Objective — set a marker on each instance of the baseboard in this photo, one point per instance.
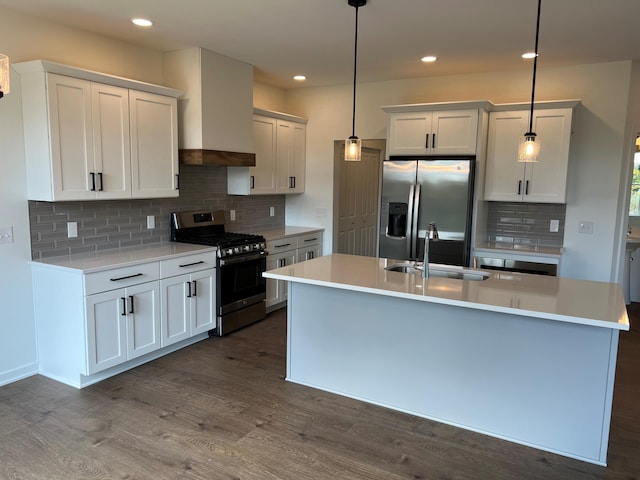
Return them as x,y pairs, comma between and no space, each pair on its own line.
18,374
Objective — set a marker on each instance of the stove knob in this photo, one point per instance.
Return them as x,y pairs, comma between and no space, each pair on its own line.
230,251
247,248
236,250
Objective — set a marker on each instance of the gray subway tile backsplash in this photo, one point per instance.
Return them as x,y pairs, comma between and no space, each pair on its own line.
109,224
525,223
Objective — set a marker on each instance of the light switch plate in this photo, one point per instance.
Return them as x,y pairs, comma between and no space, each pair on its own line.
554,225
585,227
272,211
151,222
6,235
232,215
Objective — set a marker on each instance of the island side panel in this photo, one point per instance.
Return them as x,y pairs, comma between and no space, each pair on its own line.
541,383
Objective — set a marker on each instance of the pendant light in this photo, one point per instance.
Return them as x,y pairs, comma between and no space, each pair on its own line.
353,145
4,75
529,144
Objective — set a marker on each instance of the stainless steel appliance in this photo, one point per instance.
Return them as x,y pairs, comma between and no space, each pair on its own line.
419,190
241,260
520,266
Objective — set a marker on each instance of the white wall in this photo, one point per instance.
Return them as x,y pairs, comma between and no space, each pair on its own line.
596,161
27,38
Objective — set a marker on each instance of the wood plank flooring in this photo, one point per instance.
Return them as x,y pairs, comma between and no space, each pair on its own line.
221,409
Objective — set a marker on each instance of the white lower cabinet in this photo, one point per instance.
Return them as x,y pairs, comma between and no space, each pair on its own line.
188,305
121,325
92,325
287,251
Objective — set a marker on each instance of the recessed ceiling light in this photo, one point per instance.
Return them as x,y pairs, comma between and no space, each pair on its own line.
299,78
429,58
529,55
142,22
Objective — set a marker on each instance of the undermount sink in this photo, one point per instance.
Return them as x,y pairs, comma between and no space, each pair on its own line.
443,271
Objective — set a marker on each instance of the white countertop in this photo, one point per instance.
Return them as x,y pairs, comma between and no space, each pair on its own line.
553,298
122,257
519,249
284,232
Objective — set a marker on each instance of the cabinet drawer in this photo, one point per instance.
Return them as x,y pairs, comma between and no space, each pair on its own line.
282,245
187,264
120,277
309,239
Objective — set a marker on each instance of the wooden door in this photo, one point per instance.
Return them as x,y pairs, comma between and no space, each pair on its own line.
358,204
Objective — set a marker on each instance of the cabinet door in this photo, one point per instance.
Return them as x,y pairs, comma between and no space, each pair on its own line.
154,145
143,319
410,133
263,176
71,138
277,289
454,132
106,339
504,180
175,311
112,150
547,178
291,156
203,301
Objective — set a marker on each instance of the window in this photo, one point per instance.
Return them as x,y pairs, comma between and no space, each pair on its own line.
634,204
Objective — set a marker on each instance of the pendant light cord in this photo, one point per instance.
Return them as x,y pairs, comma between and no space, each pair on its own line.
535,67
355,71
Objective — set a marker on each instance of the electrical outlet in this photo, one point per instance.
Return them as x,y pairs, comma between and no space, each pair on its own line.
72,229
151,222
585,227
554,225
232,215
272,211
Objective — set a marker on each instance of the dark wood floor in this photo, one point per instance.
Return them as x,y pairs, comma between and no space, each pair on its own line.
222,410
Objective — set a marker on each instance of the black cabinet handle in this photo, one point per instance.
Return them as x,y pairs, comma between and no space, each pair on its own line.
131,304
311,239
433,141
93,181
101,189
426,141
177,181
189,291
195,288
519,187
124,306
252,182
526,188
283,245
191,264
125,278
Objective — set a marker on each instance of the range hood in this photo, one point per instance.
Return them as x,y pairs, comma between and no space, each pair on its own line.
215,114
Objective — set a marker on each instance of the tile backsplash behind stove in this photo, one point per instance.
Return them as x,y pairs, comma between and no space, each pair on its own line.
108,224
525,223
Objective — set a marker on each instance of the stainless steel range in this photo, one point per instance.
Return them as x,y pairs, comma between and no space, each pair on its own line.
241,260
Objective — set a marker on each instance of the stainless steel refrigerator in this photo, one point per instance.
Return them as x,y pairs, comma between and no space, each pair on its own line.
416,191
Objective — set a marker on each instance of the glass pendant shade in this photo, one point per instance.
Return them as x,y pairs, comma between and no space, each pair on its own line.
4,75
353,149
529,148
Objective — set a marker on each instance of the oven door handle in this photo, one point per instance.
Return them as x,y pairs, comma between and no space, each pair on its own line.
241,259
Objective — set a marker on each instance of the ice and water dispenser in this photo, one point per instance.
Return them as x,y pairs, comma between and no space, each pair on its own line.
397,222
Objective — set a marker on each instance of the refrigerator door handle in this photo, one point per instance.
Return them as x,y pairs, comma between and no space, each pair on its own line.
414,209
410,215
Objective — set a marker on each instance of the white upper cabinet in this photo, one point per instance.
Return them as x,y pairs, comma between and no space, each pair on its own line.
280,144
450,132
90,136
154,145
542,182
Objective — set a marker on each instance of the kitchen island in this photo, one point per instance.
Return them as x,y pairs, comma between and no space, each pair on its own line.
525,358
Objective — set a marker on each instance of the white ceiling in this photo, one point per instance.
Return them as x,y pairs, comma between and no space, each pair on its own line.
315,37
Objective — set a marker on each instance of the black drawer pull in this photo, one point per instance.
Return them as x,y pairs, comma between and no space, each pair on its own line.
283,245
125,278
311,239
191,264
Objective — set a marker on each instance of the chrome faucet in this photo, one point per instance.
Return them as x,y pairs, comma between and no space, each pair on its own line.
432,234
